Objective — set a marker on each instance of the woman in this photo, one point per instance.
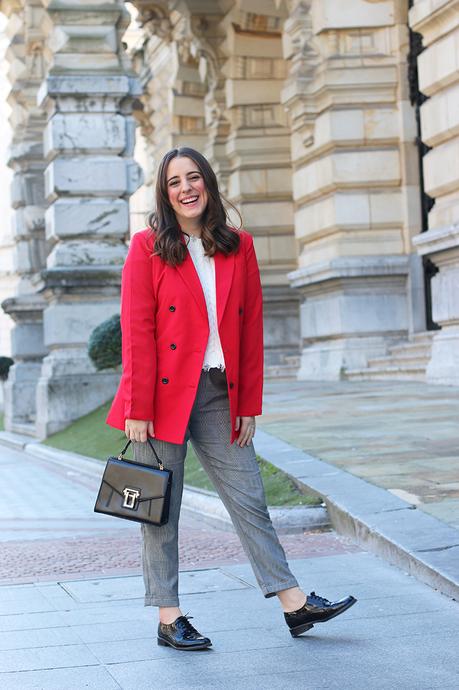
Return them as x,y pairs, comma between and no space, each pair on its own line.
192,332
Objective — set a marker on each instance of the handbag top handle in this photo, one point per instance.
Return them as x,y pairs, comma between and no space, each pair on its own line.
160,464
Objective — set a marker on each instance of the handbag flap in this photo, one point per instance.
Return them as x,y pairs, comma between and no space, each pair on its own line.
152,481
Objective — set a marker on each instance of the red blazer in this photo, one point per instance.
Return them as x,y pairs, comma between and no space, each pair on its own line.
165,331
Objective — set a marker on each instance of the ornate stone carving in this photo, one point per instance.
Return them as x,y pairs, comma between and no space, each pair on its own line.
182,102
154,19
258,148
303,57
26,70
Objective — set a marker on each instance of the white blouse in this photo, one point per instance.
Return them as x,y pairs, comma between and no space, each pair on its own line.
205,268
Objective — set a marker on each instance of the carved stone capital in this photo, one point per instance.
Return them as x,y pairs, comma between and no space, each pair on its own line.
154,19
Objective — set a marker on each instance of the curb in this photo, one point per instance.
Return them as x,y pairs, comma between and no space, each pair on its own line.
198,503
289,520
382,523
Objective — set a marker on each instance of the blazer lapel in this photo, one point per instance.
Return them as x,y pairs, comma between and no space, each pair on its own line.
224,268
189,275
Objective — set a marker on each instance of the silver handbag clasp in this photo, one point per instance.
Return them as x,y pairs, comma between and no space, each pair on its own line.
130,497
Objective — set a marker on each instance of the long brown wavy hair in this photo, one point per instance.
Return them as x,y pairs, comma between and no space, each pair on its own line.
217,234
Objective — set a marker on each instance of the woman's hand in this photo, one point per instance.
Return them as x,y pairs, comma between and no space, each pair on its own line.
138,430
246,428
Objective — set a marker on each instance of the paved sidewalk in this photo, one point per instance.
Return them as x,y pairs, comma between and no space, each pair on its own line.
49,530
69,627
97,634
401,436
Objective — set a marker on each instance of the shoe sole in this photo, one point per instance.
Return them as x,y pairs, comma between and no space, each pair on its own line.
299,629
294,632
166,643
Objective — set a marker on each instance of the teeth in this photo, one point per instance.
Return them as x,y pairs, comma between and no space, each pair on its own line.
190,200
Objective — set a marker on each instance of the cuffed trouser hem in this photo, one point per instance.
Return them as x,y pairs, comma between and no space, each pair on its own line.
160,601
271,591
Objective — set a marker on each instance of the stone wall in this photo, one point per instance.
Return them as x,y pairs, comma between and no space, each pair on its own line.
26,69
355,181
72,89
7,273
438,23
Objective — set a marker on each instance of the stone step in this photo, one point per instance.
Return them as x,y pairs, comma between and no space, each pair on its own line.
408,372
416,341
293,360
405,361
25,429
422,336
280,371
400,360
411,349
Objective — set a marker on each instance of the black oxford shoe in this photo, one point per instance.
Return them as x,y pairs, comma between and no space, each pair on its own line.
181,635
315,610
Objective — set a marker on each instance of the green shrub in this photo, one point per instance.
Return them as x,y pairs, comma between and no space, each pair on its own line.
5,363
104,347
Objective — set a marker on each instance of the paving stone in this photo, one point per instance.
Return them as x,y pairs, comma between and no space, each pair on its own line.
36,658
405,430
26,604
31,621
129,650
171,672
75,616
43,637
11,593
407,625
124,588
445,558
416,530
224,640
443,510
87,677
116,631
392,665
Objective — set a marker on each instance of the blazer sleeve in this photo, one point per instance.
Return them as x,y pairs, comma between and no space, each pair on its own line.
138,331
251,342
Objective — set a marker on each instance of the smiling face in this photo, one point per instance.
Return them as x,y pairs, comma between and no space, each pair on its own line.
186,191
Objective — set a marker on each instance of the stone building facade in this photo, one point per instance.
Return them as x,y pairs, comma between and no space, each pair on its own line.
332,126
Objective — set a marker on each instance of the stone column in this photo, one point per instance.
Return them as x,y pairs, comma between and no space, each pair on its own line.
258,148
438,67
213,74
169,67
25,73
7,274
354,180
209,37
90,174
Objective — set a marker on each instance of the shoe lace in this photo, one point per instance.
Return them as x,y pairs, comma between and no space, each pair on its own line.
189,629
321,600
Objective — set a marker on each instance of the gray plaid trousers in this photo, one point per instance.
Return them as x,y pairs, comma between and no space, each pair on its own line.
235,474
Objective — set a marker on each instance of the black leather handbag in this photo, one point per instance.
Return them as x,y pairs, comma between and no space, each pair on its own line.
134,491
